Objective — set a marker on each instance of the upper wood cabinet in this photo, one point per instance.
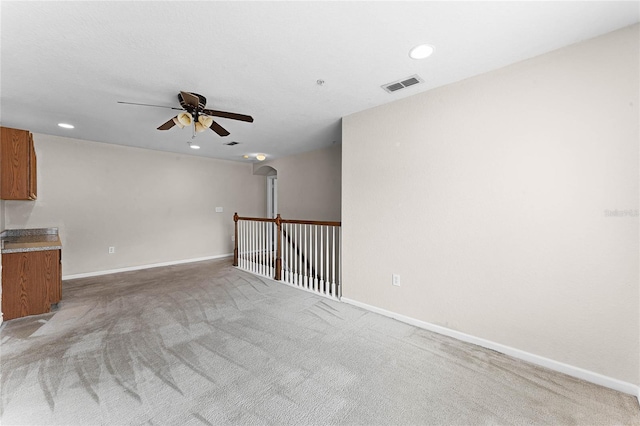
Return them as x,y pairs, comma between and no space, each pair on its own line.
18,178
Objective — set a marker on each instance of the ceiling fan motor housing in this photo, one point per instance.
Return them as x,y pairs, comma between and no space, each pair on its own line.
202,102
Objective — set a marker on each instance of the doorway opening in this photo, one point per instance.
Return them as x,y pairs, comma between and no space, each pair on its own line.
272,189
272,196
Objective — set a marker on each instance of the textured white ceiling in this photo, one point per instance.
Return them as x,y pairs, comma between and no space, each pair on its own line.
72,61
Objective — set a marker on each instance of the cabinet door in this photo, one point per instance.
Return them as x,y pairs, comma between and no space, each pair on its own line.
14,164
24,291
33,171
27,282
53,275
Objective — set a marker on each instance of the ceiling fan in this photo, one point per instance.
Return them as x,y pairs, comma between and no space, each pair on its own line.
194,112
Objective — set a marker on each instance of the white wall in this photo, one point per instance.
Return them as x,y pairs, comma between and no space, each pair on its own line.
488,197
151,206
309,184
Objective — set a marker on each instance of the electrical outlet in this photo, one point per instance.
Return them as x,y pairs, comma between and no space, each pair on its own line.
233,238
395,279
112,250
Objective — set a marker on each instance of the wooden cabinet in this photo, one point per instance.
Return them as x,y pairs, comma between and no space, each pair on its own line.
31,282
18,168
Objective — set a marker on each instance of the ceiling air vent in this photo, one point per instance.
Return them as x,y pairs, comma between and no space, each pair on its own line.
406,82
232,143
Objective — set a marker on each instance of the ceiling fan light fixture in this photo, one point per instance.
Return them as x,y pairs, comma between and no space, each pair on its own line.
185,119
66,126
261,157
205,120
200,128
178,123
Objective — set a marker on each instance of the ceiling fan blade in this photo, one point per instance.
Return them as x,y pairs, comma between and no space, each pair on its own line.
166,126
190,99
156,106
231,115
219,129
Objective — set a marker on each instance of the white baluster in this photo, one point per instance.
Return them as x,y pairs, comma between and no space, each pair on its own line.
333,261
254,246
340,262
316,283
243,237
251,245
270,248
296,252
305,277
260,266
289,254
320,274
247,246
241,244
327,270
263,251
283,242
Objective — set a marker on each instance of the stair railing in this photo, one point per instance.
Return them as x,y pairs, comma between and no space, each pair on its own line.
302,253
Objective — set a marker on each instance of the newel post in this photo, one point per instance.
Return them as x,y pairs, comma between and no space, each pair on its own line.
278,276
235,240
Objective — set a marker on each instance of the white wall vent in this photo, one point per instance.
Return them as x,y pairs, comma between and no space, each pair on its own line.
401,84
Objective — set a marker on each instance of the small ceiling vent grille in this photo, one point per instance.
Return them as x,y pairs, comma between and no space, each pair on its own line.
232,143
406,82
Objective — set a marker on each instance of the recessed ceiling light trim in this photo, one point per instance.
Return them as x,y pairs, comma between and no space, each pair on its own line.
421,51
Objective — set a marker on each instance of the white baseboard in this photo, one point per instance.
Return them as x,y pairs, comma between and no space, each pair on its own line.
137,268
580,373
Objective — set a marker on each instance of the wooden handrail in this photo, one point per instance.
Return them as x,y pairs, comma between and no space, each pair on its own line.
296,221
312,222
255,219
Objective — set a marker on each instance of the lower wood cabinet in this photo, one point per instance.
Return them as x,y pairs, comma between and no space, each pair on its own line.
31,282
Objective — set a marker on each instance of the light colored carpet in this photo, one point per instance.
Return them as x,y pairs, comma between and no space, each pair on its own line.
208,344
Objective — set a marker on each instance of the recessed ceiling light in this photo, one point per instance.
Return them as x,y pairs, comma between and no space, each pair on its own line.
66,126
421,51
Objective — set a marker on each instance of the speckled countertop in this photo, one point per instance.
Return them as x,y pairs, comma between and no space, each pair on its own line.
22,240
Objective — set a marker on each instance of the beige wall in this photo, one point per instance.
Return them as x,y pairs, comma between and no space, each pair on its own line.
309,184
1,229
151,206
488,197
